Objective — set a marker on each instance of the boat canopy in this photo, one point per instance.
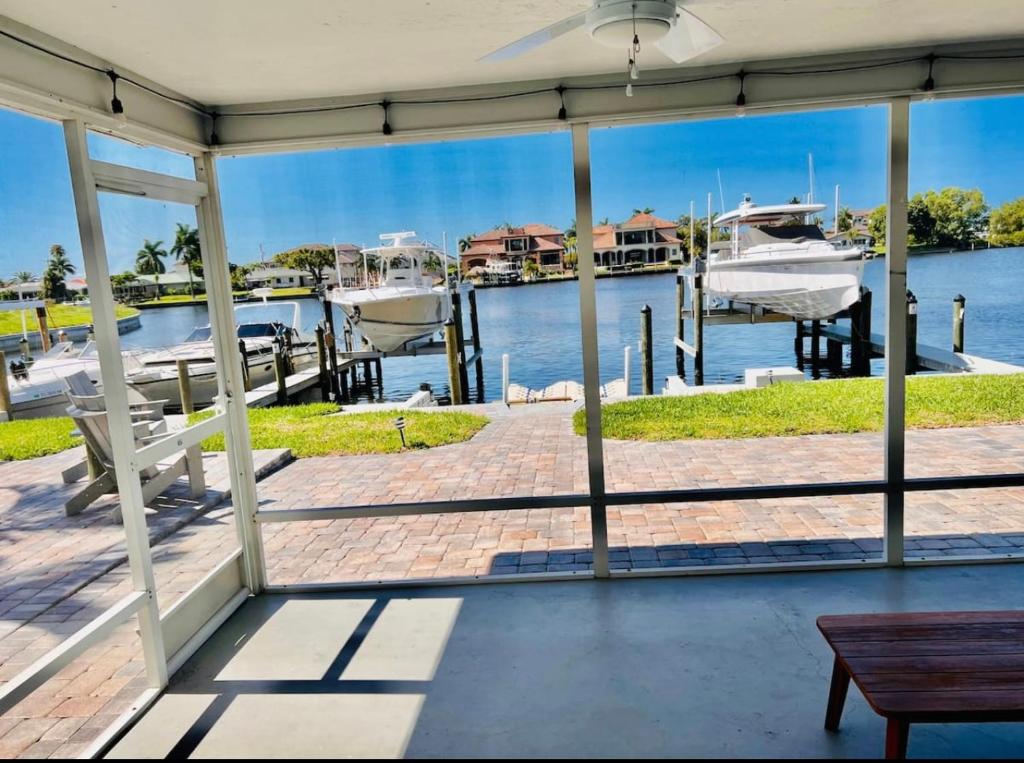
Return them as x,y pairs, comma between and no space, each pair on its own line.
404,243
752,214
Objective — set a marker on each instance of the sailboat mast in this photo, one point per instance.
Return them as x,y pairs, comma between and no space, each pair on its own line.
835,232
691,231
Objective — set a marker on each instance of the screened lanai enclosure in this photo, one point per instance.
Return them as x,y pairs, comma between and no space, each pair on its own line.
598,638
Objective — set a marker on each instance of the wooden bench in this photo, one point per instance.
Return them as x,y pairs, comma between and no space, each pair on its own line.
927,667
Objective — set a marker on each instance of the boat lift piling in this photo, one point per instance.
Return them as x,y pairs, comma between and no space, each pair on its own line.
6,409
864,346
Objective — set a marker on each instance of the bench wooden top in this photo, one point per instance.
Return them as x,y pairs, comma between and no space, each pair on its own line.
934,666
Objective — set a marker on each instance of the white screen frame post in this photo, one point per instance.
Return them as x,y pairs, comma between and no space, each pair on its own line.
588,335
231,388
115,392
898,170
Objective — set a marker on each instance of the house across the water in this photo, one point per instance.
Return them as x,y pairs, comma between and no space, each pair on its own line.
536,242
640,241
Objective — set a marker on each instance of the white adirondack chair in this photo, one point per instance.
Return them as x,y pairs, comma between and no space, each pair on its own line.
90,417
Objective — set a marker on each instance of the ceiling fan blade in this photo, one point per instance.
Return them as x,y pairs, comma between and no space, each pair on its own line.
531,41
688,37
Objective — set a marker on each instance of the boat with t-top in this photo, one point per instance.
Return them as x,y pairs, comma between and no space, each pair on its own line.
406,306
777,259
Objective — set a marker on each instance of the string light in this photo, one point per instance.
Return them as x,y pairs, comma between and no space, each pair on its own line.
561,96
116,107
633,69
929,84
741,97
214,138
386,127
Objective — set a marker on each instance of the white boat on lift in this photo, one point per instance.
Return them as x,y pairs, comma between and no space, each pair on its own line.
776,260
406,306
154,373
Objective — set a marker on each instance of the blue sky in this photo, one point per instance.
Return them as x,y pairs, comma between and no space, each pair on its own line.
468,186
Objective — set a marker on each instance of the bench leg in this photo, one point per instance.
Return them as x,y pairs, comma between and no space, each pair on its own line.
836,696
896,734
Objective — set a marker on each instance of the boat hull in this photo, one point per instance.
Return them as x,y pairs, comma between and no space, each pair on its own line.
159,380
390,317
806,288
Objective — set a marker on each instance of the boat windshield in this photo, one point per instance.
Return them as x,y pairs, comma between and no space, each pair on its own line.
269,329
255,330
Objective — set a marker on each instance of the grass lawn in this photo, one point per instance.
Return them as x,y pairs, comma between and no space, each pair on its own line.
823,407
32,438
309,430
61,316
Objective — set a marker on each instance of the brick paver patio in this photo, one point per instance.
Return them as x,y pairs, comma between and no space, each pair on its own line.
59,572
531,450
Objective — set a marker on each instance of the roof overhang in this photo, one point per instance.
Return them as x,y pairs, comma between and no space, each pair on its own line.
50,87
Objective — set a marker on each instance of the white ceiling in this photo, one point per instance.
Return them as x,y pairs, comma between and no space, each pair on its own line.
246,51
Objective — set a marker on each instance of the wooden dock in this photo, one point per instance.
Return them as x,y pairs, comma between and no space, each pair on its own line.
929,358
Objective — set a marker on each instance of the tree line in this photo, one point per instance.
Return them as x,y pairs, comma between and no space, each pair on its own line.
955,218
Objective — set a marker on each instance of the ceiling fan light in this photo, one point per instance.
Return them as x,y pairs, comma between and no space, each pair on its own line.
619,33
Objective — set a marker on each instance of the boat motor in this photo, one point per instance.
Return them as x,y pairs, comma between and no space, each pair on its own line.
19,370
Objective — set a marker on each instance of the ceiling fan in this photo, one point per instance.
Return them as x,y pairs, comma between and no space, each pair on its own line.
673,30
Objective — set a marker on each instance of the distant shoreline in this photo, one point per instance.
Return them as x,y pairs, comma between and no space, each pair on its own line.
617,274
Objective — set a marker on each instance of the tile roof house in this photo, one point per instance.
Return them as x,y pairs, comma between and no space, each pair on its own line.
641,240
540,243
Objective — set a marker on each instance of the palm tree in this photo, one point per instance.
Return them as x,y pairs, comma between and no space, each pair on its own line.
149,260
466,241
58,267
186,249
644,211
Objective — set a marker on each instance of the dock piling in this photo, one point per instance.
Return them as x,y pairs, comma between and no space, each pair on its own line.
280,376
680,327
911,332
798,344
5,389
474,325
816,349
451,344
833,352
184,386
698,329
959,310
646,359
246,381
44,332
461,342
627,371
504,378
860,335
321,361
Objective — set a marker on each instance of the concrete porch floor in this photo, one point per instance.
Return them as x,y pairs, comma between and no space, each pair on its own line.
728,666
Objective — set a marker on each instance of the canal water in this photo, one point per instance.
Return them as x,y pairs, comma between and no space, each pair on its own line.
538,325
